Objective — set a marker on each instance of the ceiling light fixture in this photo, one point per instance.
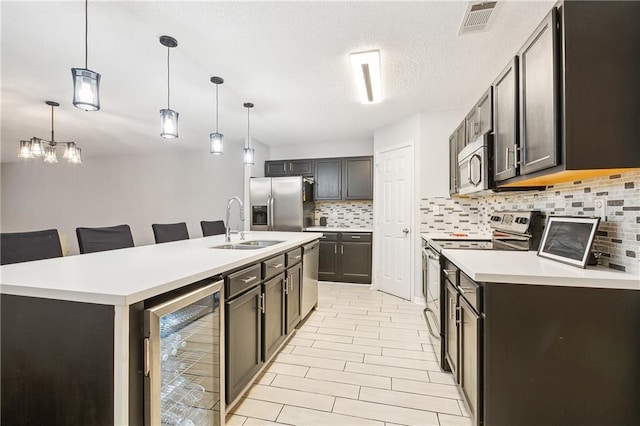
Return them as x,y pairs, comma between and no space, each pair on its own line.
248,151
86,83
216,138
366,69
168,117
33,148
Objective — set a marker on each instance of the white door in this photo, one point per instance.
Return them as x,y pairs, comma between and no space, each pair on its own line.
394,183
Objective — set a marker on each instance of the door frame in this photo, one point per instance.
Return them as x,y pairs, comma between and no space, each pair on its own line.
415,227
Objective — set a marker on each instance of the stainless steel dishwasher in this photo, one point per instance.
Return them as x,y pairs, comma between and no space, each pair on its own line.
309,278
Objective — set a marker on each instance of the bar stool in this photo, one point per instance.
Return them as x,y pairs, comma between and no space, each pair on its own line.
215,227
19,247
167,232
91,240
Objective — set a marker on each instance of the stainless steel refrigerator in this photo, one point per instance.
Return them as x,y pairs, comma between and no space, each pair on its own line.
281,203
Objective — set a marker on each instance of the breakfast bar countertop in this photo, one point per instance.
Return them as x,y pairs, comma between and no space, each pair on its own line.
127,276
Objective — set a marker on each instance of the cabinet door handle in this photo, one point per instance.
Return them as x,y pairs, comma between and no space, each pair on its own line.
335,249
450,308
341,249
297,257
355,237
249,279
276,266
506,157
448,272
286,285
147,361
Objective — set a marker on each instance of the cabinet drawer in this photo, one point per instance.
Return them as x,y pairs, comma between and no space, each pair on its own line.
240,281
450,272
357,236
273,266
329,236
471,291
294,256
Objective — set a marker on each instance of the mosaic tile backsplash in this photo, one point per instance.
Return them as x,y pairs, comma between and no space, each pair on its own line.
357,214
618,237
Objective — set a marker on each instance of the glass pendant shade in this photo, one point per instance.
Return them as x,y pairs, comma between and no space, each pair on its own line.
25,150
50,154
168,123
36,147
76,158
86,88
216,140
248,155
69,151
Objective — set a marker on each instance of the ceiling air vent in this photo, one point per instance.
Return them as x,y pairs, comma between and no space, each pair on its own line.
478,17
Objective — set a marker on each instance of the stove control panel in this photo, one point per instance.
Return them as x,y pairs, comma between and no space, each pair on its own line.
519,222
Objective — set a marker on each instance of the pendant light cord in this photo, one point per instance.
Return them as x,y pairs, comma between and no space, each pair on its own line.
86,33
53,140
168,74
217,107
248,133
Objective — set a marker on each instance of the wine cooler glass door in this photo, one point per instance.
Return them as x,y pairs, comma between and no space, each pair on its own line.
183,359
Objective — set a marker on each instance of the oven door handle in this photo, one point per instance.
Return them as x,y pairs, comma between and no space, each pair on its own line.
428,323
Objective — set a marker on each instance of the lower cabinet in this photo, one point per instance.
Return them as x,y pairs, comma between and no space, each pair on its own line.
451,329
293,293
243,350
470,353
273,316
345,257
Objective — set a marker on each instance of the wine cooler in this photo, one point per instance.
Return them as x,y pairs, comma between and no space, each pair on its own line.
184,359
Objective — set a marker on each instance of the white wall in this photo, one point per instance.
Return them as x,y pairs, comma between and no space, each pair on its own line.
325,150
435,129
136,190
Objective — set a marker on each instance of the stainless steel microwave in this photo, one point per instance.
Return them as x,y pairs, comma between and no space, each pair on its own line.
475,166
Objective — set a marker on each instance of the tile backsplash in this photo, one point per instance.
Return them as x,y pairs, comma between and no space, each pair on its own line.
358,214
618,237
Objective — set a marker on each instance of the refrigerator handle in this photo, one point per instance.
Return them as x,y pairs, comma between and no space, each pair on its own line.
270,226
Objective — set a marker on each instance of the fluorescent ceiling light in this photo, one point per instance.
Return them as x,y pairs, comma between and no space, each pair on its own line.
366,69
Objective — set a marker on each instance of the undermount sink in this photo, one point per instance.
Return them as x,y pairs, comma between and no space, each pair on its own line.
248,245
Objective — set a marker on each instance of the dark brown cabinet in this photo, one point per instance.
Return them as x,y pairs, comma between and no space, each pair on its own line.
328,179
293,292
539,90
357,178
328,257
288,168
243,349
479,121
450,329
505,121
345,257
273,317
456,142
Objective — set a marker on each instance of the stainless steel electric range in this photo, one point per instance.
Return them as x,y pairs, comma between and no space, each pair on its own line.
511,230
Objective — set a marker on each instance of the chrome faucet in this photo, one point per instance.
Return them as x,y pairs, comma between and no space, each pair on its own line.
227,234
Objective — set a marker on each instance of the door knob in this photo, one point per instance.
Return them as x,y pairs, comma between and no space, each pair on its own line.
406,231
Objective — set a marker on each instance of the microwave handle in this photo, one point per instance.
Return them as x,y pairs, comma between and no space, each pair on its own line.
479,169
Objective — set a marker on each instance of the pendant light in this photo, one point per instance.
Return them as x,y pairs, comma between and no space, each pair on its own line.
33,148
168,117
86,83
248,151
216,139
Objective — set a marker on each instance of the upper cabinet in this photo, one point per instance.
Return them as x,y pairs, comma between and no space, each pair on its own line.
328,179
479,121
538,69
457,141
288,168
505,121
349,178
357,178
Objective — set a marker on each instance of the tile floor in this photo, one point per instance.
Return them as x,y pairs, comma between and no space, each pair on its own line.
362,358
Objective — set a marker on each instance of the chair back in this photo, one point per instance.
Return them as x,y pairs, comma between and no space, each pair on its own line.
18,247
91,240
167,232
215,227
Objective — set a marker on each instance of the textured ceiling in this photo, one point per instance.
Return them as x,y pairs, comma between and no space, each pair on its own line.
289,58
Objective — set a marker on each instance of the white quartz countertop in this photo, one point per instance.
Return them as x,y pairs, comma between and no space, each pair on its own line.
127,276
337,229
526,267
456,236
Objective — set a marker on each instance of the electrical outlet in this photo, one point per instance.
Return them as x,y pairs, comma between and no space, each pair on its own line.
600,204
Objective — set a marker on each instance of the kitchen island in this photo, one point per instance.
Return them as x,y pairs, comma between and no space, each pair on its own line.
67,322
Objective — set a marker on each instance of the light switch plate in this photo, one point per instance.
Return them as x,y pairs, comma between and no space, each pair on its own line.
600,204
